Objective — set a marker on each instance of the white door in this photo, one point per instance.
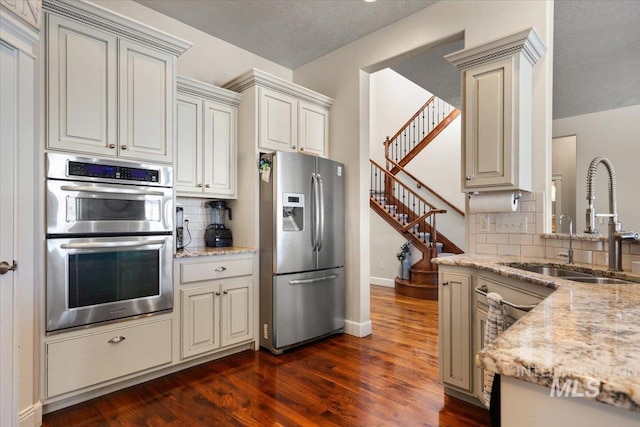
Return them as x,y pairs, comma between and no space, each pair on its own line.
8,102
236,312
278,121
313,136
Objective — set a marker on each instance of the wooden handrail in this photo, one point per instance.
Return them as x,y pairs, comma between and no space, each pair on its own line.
388,141
421,184
422,218
393,178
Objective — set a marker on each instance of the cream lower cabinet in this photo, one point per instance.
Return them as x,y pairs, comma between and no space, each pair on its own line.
455,314
216,300
108,94
462,320
206,164
92,358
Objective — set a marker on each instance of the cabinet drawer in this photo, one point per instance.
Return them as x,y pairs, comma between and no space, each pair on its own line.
91,359
212,270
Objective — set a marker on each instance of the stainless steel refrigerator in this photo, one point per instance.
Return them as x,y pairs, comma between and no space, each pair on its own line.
302,288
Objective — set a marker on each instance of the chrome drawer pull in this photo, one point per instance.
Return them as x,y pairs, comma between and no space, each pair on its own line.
483,290
220,269
116,340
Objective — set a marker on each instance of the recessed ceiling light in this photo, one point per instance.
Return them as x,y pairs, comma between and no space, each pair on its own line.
369,1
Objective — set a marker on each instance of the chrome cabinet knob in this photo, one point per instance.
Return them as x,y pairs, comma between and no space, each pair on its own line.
207,186
220,269
218,293
5,267
294,147
112,146
123,147
225,292
117,339
468,178
199,185
445,283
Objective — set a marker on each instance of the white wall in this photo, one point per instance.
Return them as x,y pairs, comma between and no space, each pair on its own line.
614,134
210,59
343,75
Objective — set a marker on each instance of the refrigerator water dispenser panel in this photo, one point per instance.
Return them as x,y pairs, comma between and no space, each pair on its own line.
292,212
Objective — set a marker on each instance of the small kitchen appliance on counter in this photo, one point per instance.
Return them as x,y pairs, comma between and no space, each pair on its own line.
216,234
179,228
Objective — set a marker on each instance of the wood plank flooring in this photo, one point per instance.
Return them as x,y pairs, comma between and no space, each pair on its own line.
387,379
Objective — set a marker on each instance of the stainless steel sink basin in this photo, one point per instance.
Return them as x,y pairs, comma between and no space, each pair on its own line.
552,271
564,273
599,280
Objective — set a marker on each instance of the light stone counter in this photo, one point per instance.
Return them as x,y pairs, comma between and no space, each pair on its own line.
586,333
207,251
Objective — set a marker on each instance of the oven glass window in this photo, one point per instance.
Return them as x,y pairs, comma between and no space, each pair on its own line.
94,209
98,278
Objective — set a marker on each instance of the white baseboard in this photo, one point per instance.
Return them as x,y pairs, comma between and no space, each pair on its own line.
357,329
31,416
382,281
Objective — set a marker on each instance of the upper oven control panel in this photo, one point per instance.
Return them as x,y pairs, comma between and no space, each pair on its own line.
75,168
98,170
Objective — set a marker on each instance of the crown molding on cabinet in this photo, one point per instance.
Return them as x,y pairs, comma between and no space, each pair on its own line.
97,16
527,41
260,78
207,91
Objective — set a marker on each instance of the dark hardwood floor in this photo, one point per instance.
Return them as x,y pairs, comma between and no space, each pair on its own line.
387,379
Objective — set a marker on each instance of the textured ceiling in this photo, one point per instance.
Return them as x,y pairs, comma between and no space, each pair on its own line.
596,43
289,32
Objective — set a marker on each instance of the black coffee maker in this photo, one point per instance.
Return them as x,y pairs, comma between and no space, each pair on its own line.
216,234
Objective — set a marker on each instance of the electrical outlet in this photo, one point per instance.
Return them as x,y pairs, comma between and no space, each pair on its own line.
265,331
381,265
483,224
511,224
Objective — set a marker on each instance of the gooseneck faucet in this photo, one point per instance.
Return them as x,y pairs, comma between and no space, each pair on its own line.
569,253
616,236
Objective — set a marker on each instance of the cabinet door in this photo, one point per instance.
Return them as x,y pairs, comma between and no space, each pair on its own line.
188,172
81,88
146,91
278,122
313,129
456,330
478,344
219,150
488,143
200,320
236,312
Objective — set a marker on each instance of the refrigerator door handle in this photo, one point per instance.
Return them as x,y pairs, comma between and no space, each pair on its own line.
315,280
321,215
317,197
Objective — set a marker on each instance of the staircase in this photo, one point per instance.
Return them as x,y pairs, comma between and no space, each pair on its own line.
405,210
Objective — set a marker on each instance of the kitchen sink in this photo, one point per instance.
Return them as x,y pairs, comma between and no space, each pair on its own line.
564,273
599,280
551,271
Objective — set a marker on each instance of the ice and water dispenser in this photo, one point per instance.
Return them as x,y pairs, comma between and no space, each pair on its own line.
292,211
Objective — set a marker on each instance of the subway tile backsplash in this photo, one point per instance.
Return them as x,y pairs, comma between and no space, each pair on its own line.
483,238
198,216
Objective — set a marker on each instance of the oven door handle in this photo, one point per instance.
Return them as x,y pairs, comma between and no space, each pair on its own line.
87,189
103,245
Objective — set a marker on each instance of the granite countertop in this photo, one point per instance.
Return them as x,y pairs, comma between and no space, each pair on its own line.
586,333
199,251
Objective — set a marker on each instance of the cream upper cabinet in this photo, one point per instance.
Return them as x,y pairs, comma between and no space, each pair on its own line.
81,87
278,121
146,93
289,117
206,163
313,129
497,95
110,88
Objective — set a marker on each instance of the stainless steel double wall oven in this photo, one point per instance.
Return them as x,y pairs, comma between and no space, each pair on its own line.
109,240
